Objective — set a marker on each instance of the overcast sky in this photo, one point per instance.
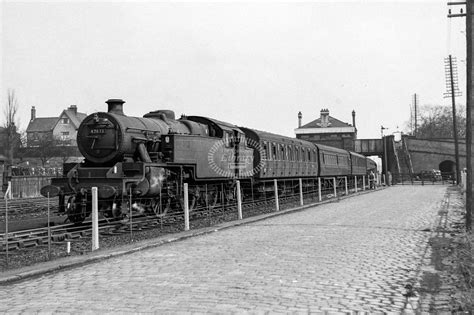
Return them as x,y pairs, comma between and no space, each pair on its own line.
254,64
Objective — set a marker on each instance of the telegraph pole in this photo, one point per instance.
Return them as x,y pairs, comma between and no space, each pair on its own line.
452,90
415,108
469,120
469,104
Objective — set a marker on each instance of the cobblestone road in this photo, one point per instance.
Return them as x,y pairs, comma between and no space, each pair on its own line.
354,255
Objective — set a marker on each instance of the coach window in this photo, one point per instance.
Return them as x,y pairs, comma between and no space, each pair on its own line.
274,151
226,139
242,140
290,153
265,150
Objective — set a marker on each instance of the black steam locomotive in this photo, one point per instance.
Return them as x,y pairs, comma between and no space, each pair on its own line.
142,162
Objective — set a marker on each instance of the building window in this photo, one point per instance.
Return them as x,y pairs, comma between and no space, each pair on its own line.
65,120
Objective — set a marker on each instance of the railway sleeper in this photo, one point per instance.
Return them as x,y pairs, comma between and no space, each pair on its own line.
73,235
31,242
11,246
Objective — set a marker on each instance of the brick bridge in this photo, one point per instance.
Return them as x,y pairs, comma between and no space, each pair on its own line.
411,155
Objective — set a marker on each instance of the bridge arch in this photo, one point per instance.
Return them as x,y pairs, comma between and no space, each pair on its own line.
447,166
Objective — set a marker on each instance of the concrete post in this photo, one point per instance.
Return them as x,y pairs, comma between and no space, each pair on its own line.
363,182
335,186
277,204
355,181
345,184
186,207
301,191
95,219
239,200
319,188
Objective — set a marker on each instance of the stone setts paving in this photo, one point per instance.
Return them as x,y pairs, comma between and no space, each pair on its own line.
368,253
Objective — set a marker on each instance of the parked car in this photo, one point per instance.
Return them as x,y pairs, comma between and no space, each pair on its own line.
431,175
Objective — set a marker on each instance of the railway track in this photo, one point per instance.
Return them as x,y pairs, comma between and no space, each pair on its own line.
59,234
16,206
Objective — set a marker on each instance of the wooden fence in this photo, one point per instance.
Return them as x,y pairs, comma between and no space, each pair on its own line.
28,186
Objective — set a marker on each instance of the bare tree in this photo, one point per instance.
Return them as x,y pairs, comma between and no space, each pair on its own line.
46,149
436,122
10,113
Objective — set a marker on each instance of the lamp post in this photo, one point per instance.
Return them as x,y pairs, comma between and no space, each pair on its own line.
382,128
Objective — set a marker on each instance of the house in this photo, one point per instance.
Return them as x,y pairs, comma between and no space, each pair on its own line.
328,130
62,129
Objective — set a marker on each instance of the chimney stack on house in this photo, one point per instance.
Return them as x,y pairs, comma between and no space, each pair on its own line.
353,118
73,108
300,116
324,117
33,113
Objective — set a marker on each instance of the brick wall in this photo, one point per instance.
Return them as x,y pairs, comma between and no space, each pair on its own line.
428,154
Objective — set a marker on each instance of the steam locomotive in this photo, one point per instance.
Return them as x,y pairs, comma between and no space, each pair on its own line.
141,163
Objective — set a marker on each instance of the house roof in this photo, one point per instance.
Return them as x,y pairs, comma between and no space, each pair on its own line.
45,124
76,118
42,124
333,123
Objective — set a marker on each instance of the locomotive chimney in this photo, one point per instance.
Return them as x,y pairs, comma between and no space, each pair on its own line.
353,118
115,106
300,115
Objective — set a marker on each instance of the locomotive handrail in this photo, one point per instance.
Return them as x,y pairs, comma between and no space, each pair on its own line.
132,129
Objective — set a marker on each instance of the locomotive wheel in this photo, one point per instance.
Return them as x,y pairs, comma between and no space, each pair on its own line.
74,211
212,197
158,209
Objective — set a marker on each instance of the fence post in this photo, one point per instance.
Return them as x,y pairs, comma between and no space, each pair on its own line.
239,200
7,194
363,182
301,191
131,215
186,207
464,182
49,231
277,204
383,180
95,219
345,184
355,181
335,187
319,188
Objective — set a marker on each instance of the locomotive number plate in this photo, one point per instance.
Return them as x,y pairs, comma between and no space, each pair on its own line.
97,131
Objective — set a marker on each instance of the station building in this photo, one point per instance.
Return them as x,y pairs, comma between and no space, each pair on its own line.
328,130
